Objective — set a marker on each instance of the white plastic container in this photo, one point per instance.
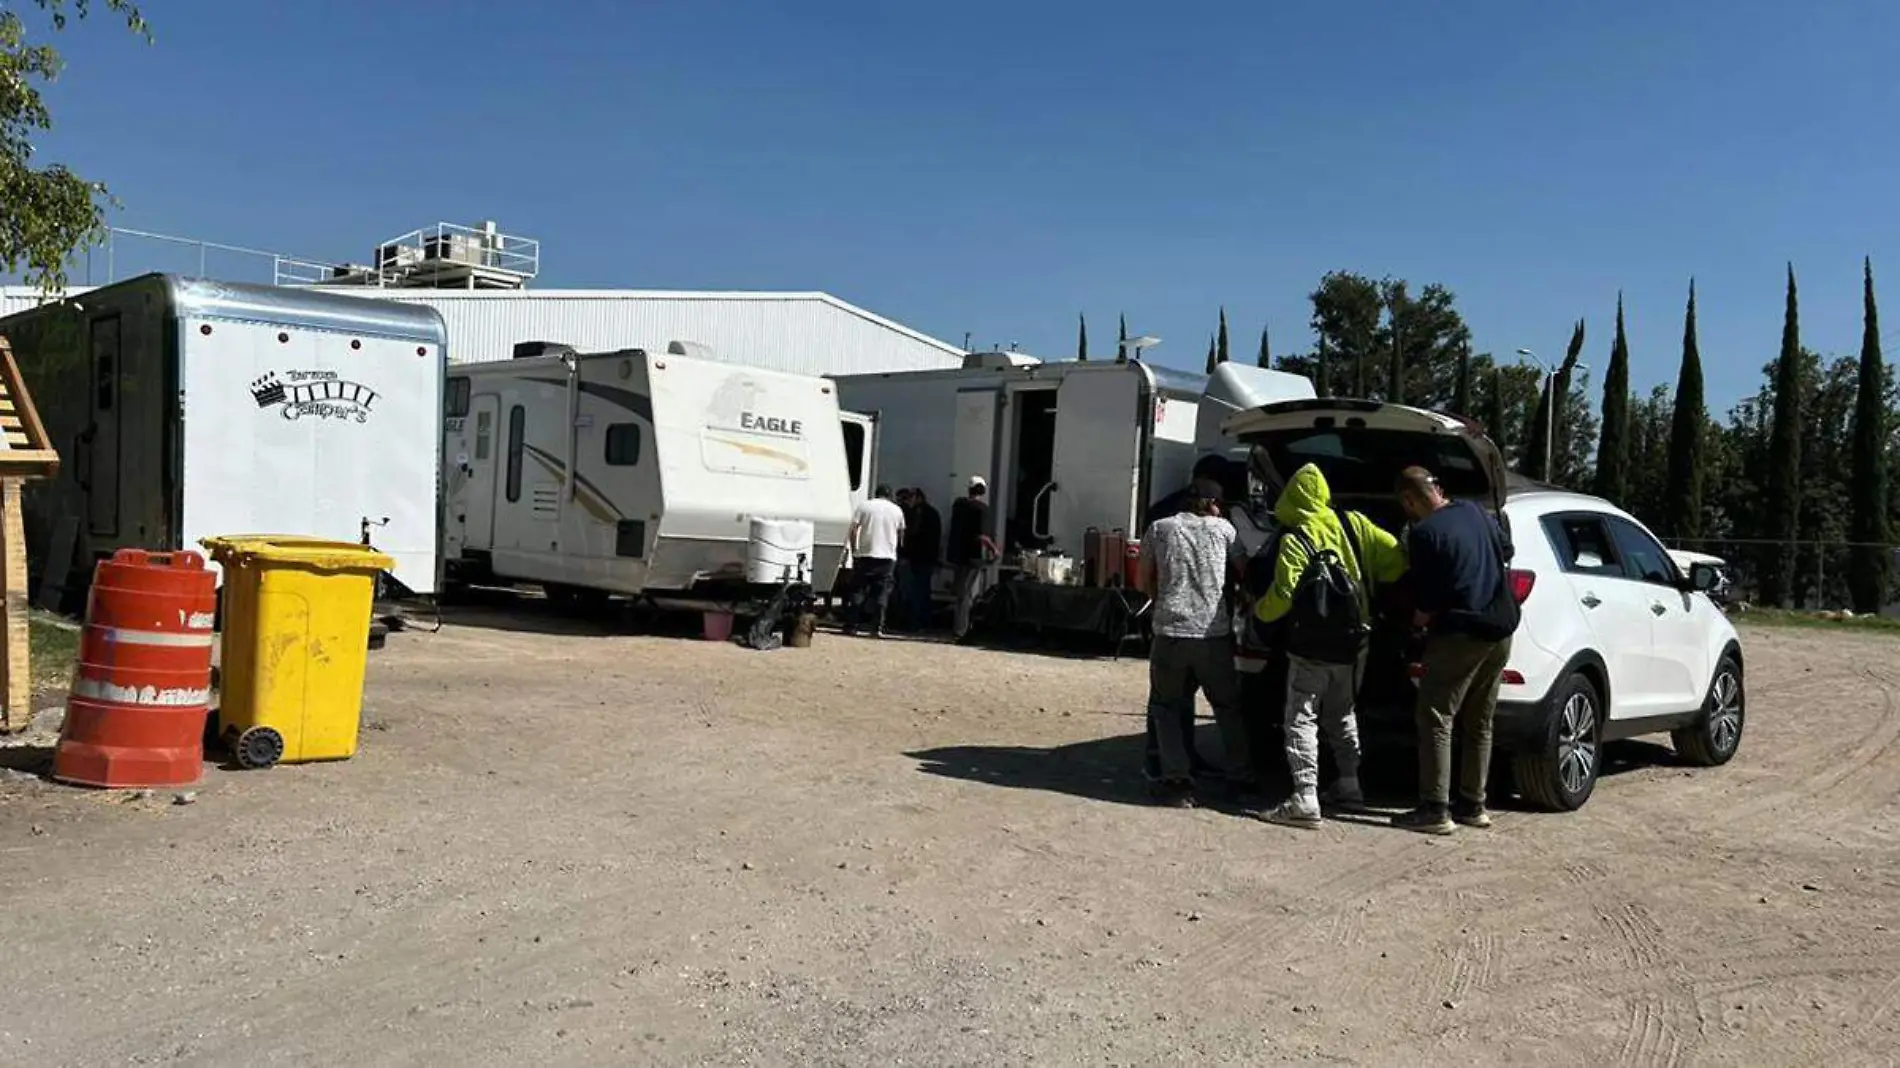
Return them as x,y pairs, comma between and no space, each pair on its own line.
779,550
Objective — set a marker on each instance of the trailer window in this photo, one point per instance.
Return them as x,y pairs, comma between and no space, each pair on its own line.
456,398
105,358
854,453
484,433
517,422
623,444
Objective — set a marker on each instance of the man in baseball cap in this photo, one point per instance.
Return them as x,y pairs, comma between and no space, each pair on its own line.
969,548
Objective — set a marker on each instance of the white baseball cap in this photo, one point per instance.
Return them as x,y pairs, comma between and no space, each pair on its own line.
976,481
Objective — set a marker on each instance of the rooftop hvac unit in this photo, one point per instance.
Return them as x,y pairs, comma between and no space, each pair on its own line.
395,256
456,248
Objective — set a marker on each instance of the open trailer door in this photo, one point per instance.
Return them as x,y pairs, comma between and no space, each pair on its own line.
1098,442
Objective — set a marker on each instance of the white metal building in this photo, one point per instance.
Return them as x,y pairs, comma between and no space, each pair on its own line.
806,333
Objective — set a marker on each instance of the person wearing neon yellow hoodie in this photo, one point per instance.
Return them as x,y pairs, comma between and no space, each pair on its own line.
1321,685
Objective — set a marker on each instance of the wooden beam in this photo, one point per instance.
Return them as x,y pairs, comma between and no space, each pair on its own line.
16,668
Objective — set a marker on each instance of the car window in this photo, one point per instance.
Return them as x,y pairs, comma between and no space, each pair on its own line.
1644,558
1584,546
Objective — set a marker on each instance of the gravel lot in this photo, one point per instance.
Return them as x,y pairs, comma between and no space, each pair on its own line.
564,848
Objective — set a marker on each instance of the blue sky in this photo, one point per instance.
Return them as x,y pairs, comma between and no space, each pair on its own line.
997,168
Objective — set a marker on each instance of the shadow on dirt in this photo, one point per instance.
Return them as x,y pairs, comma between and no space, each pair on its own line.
1110,770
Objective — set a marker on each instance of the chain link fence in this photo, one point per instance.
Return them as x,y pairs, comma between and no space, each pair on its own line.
1822,571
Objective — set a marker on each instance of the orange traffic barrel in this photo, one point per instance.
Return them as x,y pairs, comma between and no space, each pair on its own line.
142,687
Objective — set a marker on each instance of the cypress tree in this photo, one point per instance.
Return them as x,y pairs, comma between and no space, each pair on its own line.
1870,575
1323,384
1613,446
1395,377
1121,342
1461,392
1212,352
1783,497
1494,416
1682,494
1221,356
1082,337
1265,359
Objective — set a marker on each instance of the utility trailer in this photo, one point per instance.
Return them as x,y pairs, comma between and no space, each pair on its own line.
1064,446
187,408
662,475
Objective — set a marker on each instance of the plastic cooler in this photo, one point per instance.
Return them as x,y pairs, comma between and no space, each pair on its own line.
296,642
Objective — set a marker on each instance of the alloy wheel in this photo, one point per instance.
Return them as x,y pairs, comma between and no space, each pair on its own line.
1577,743
1725,712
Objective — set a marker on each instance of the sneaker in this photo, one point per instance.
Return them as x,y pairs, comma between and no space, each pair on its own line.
1172,794
1291,813
1471,816
1425,821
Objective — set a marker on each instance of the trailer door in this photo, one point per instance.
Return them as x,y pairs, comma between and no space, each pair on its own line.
478,491
1097,455
973,445
101,477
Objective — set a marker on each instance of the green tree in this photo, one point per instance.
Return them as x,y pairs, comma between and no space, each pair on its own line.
1682,491
1265,359
1650,420
1613,454
1346,313
46,213
1082,337
1121,341
1212,354
1782,499
1872,565
1221,354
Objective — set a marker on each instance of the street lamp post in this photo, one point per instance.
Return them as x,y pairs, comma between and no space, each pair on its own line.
1550,406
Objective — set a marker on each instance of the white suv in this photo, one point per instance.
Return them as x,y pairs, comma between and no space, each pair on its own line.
1616,641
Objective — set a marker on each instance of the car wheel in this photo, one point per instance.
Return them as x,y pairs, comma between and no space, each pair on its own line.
1713,740
1561,772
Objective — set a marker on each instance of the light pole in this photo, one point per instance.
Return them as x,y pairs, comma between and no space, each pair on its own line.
1550,405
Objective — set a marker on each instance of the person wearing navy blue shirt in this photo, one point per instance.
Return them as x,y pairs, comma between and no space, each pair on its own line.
1463,602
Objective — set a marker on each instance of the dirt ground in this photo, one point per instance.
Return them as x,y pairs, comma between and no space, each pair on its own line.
592,848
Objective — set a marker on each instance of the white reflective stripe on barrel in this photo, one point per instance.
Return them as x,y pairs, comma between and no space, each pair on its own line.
175,639
91,689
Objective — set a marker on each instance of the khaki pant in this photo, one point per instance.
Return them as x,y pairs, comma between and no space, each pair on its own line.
1460,689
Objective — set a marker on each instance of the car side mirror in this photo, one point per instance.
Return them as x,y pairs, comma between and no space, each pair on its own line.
1704,577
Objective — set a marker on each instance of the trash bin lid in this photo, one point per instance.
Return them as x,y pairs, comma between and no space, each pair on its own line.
298,549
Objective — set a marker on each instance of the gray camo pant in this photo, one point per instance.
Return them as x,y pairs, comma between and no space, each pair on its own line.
1320,696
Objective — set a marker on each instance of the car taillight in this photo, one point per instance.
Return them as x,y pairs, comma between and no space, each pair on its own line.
1513,678
1522,582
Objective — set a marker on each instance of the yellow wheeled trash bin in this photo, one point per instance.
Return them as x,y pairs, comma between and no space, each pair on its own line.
296,641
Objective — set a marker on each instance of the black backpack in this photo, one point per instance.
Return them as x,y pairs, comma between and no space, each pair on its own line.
1326,622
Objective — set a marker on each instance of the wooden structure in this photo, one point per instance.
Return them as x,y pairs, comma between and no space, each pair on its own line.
24,453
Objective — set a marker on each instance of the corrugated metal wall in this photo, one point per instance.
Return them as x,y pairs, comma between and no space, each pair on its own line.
807,333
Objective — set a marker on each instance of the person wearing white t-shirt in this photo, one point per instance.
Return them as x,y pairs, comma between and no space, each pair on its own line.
877,529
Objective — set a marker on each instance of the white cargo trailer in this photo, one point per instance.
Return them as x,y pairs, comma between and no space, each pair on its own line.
1064,446
186,408
664,475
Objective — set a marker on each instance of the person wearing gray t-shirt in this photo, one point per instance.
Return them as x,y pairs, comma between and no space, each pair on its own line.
1187,561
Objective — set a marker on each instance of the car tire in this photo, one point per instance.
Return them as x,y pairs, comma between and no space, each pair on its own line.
1561,772
1715,736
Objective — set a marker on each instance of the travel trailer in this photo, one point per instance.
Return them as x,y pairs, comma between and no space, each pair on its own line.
1064,446
185,408
665,475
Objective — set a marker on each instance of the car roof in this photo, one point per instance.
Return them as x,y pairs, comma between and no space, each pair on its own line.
1522,494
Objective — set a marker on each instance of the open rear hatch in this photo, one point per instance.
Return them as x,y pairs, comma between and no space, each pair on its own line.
1361,446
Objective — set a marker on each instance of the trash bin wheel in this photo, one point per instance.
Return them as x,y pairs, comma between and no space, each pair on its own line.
259,747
